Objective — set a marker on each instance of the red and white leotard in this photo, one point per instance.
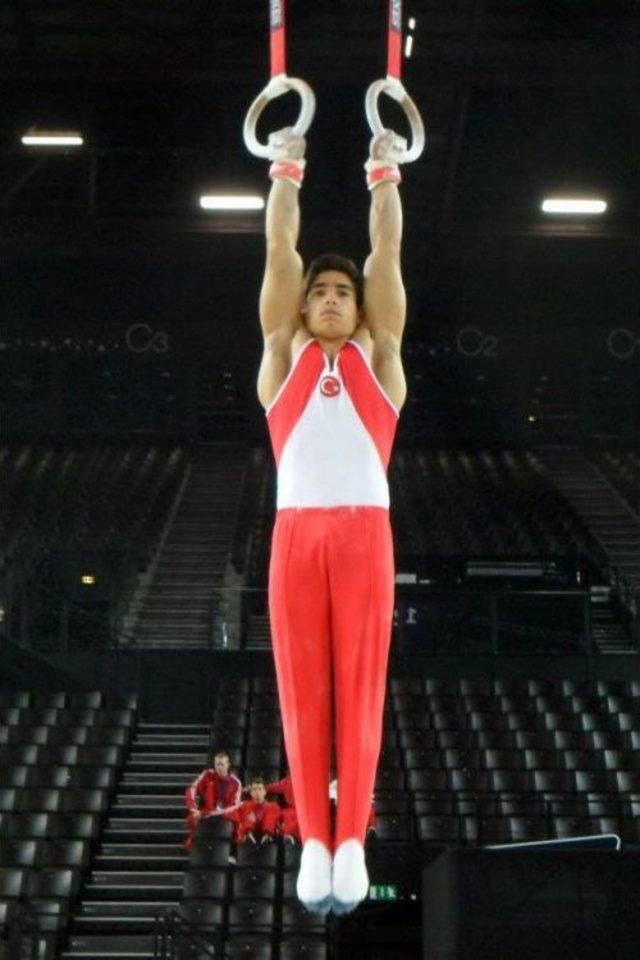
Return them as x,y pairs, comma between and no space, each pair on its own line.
332,431
331,579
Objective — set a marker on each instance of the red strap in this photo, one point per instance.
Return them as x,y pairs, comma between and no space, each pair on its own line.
277,20
394,50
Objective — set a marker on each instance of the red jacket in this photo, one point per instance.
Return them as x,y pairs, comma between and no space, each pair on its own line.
284,789
209,792
251,815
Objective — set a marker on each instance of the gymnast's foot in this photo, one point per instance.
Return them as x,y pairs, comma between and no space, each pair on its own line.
350,878
314,879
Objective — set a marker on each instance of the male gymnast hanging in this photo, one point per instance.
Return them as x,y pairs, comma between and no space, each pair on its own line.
332,384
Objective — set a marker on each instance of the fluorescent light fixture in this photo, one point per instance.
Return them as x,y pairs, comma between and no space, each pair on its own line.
412,23
88,579
45,138
408,45
231,202
573,206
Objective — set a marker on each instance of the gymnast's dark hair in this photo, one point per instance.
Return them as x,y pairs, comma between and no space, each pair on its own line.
335,261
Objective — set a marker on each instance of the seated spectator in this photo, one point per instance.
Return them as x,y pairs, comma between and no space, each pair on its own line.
288,823
256,820
214,791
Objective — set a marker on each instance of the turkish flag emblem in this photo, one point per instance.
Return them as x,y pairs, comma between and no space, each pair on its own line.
329,386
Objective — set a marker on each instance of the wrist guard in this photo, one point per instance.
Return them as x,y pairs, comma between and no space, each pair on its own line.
379,171
289,168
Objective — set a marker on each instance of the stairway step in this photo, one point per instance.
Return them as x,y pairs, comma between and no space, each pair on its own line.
98,948
143,879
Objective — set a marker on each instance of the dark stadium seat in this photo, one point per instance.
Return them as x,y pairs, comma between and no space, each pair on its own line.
461,759
31,825
502,760
570,740
90,801
17,853
439,829
420,739
392,827
72,825
557,781
493,830
628,781
7,799
45,799
12,882
249,856
251,915
258,757
423,759
534,739
267,737
303,948
427,780
85,700
51,883
45,699
474,781
513,781
590,781
621,760
525,829
16,756
202,884
567,826
214,828
295,917
247,947
64,756
542,760
583,760
11,698
390,779
254,884
203,912
209,853
63,853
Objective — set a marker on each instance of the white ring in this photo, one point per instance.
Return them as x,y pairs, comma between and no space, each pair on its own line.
275,88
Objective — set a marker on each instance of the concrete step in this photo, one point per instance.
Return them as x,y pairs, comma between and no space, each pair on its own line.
101,947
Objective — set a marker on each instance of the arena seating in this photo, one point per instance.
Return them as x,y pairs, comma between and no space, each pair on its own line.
59,762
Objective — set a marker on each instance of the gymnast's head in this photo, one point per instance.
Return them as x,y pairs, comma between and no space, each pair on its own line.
333,297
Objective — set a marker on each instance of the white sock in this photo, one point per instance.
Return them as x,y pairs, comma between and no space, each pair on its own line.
314,879
350,878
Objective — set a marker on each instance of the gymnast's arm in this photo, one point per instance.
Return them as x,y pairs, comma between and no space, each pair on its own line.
385,301
281,294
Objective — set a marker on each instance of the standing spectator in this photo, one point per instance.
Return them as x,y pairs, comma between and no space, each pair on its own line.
256,820
289,827
214,791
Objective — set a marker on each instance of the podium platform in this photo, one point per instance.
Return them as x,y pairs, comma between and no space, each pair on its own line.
532,903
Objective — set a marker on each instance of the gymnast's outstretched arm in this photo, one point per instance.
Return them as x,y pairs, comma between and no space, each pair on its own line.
281,293
384,295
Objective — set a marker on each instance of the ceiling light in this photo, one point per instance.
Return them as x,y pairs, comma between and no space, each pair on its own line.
231,202
412,23
52,138
408,45
572,205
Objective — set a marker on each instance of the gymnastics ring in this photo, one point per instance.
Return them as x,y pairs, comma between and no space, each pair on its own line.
277,86
394,89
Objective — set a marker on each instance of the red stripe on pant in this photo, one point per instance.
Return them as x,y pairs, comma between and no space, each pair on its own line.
331,585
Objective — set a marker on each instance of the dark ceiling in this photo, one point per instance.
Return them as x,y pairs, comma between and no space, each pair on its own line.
521,98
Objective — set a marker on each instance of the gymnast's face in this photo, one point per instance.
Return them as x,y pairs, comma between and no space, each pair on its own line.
330,308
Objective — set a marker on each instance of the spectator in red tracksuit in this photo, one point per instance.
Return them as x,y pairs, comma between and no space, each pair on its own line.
214,791
289,827
256,820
